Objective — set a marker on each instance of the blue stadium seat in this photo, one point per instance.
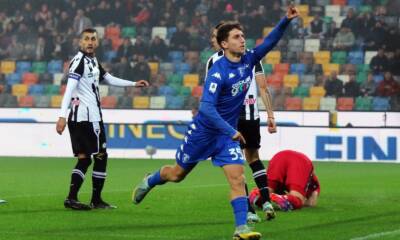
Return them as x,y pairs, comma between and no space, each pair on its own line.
380,104
356,57
13,78
378,78
176,102
354,3
182,68
55,66
170,32
23,66
175,56
298,68
110,55
36,89
166,91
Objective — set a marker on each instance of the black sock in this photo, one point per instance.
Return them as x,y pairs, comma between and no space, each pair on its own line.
77,177
251,209
98,176
260,177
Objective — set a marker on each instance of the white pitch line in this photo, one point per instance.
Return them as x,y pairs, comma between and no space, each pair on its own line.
378,235
114,191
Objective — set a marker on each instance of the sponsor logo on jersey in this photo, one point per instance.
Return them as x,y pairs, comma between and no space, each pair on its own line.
213,87
241,86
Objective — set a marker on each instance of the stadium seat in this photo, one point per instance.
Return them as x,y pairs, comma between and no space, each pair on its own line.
30,78
13,78
298,68
128,32
362,68
109,102
103,90
170,32
39,67
339,57
332,11
58,78
378,78
100,31
112,32
166,91
380,104
157,102
327,104
293,103
250,43
281,68
197,91
160,32
307,20
356,57
7,67
182,68
322,3
42,101
125,102
363,104
343,78
361,77
175,79
354,3
311,104
10,101
175,56
301,92
317,92
304,10
312,45
345,104
55,66
275,80
19,90
166,67
322,57
339,2
369,55
23,66
185,92
153,68
36,89
330,67
291,80
205,55
141,102
267,68
116,91
109,56
273,57
308,80
175,102
52,89
296,45
26,101
267,30
55,101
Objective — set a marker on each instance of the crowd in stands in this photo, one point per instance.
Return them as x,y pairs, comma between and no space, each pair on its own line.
339,55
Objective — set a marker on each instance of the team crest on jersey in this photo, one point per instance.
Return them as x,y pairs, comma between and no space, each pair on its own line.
241,86
213,87
231,75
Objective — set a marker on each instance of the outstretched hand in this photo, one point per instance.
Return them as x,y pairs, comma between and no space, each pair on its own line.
292,12
142,83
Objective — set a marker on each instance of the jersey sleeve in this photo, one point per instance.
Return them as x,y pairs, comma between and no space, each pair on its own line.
102,73
76,68
212,87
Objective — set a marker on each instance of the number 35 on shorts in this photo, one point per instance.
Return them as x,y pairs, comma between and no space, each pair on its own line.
236,153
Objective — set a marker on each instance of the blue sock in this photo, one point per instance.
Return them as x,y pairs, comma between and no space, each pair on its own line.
239,206
155,179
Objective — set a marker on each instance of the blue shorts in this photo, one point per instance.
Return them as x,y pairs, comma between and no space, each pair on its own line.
199,145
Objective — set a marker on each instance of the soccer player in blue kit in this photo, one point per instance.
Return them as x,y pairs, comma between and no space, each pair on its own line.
213,130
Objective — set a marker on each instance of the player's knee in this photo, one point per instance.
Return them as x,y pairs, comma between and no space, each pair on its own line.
179,176
84,162
237,181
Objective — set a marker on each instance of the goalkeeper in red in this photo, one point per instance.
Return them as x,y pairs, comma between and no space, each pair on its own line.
291,180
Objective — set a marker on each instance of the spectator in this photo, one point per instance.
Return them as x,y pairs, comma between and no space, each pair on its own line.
374,38
141,70
182,16
333,86
195,43
394,64
352,88
344,39
350,21
365,22
143,16
119,13
180,38
379,63
317,28
392,40
64,22
125,50
81,22
158,49
28,14
15,50
368,87
139,48
388,87
123,68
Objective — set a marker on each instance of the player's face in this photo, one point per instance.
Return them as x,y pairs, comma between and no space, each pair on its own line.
89,42
236,43
213,40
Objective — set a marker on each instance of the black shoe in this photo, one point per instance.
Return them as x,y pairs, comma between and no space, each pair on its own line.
102,205
75,205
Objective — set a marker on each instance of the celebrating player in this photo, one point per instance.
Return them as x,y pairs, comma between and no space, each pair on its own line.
85,121
249,127
291,180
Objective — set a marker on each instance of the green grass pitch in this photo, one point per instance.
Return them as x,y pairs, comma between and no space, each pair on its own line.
358,201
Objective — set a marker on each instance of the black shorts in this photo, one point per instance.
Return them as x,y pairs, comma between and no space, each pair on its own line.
87,137
250,129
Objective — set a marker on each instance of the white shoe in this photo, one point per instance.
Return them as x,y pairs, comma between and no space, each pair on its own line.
2,201
253,218
269,211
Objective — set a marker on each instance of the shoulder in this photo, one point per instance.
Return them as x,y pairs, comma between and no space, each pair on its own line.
214,58
76,61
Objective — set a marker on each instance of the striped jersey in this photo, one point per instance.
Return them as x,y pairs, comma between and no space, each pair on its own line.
86,98
250,107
